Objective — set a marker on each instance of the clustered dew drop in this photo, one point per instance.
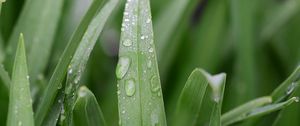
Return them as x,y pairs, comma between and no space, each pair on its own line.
127,42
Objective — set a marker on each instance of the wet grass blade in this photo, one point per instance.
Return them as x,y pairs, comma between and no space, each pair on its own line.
62,67
139,90
20,103
260,111
190,100
39,31
86,110
168,30
287,87
81,57
56,108
240,110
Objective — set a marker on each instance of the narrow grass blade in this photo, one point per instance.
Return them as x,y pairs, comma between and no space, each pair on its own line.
20,103
244,82
190,100
217,85
280,16
2,54
53,116
236,112
166,27
86,110
38,22
287,87
62,67
139,89
260,111
81,57
291,114
4,77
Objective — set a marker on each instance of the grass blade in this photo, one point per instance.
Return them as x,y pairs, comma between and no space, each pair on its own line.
190,100
4,77
39,31
260,111
166,27
80,59
139,89
62,67
86,110
1,1
53,116
20,103
287,86
236,112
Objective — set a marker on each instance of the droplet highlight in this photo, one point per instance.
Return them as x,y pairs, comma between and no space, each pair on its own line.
130,87
122,67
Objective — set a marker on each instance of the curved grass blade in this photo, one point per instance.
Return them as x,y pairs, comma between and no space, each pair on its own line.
20,103
190,100
38,22
62,67
287,87
80,59
236,112
279,18
86,110
139,89
260,111
166,27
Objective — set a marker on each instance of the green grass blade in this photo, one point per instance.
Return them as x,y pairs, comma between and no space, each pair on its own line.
81,57
4,77
190,100
166,27
62,67
287,86
86,110
236,112
1,1
139,89
217,86
38,21
53,116
260,111
20,103
279,18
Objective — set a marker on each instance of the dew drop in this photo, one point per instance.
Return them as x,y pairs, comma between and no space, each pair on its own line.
118,92
130,87
19,123
122,67
154,84
127,42
127,20
149,64
151,50
142,37
123,112
297,99
148,20
27,77
70,71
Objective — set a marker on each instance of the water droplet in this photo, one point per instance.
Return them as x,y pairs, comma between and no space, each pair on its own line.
127,20
130,87
290,89
151,50
154,84
27,76
148,20
125,13
142,37
149,64
159,94
70,71
297,99
118,92
122,29
122,67
127,42
123,112
19,123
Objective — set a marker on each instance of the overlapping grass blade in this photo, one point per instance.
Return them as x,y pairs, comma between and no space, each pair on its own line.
287,87
62,67
4,77
238,111
38,21
20,103
56,109
86,110
260,111
279,17
166,27
139,89
291,114
190,100
79,61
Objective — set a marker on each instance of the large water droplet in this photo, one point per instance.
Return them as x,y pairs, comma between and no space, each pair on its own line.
127,42
130,87
154,84
122,67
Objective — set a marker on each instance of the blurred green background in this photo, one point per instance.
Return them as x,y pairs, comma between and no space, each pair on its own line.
256,42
